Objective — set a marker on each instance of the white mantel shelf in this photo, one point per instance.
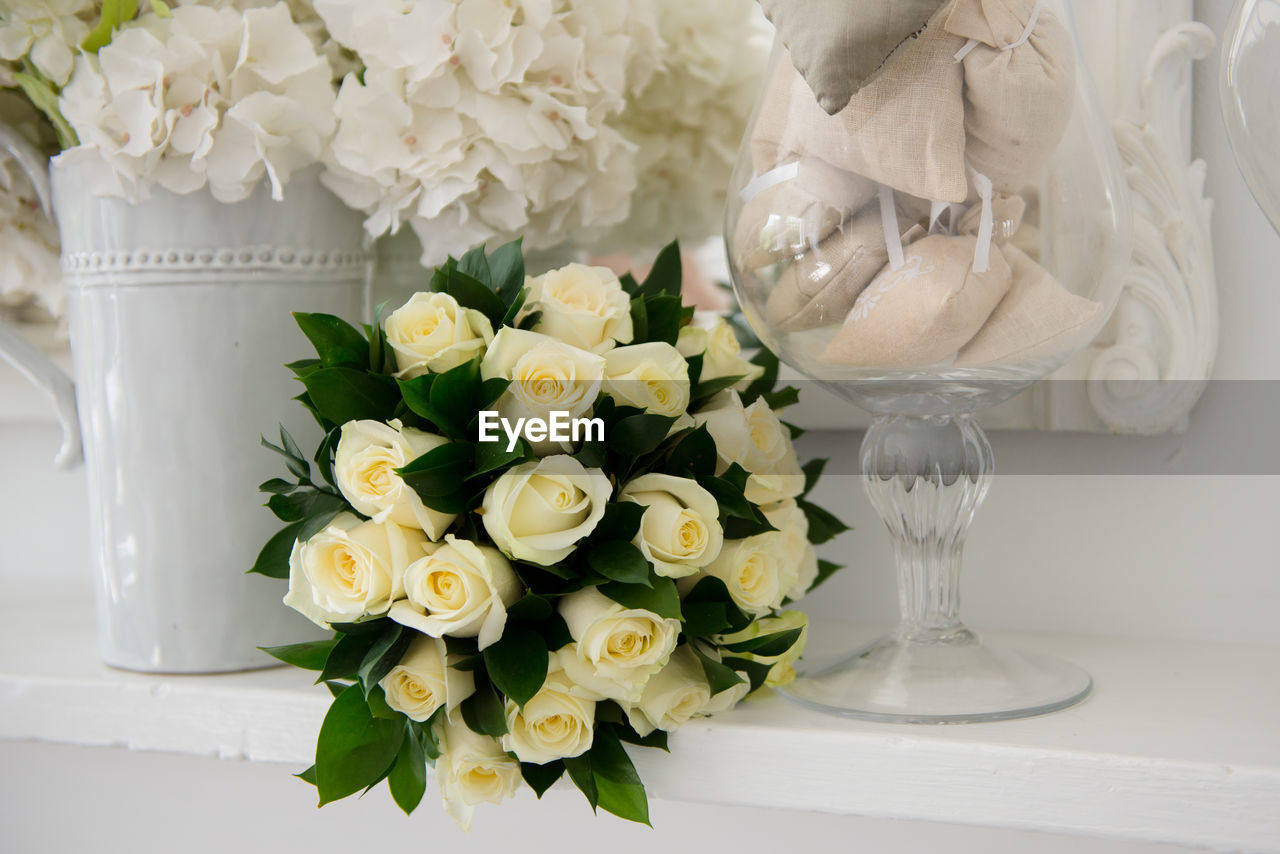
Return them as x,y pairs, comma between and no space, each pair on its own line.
1180,742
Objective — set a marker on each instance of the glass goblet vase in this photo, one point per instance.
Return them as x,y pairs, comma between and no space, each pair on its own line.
1249,76
955,233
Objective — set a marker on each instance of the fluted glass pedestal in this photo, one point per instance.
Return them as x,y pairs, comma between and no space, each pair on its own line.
926,477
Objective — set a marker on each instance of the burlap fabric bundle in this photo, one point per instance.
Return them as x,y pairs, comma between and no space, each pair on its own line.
923,312
904,129
1037,319
820,287
1018,93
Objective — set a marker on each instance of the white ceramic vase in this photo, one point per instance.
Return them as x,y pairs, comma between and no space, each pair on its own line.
179,311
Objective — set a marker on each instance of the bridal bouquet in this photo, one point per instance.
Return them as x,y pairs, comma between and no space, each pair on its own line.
549,517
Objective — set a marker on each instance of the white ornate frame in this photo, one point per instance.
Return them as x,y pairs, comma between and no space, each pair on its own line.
1164,331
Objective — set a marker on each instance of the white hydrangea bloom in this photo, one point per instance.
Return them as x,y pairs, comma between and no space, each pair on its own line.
689,121
208,96
341,60
476,120
48,32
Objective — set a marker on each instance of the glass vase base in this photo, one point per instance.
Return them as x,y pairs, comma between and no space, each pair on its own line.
895,680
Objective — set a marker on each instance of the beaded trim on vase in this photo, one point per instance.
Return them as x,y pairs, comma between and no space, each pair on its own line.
258,258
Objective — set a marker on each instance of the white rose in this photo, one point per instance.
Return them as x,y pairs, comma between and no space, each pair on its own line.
788,518
472,769
712,336
756,570
350,569
556,723
783,670
432,333
674,694
583,306
653,377
546,376
617,648
423,682
368,454
459,589
680,530
539,510
754,438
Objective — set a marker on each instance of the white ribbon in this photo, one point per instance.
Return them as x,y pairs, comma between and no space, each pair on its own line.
772,178
1026,34
892,236
936,210
986,228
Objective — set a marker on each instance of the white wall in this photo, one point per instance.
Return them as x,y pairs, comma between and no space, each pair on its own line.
1185,550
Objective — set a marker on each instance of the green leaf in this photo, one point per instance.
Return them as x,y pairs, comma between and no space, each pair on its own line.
826,569
621,521
455,395
506,269
710,388
639,434
316,523
757,672
767,646
618,786
541,777
661,597
736,528
439,472
765,359
656,739
639,321
354,749
278,486
297,465
309,655
719,676
532,608
472,293
812,471
337,343
325,455
695,454
273,560
307,776
579,768
517,663
44,97
304,503
476,265
347,394
513,311
664,318
493,457
730,496
665,276
408,777
483,711
782,398
302,367
377,700
384,654
114,14
347,654
618,560
161,9
823,526
709,604
630,285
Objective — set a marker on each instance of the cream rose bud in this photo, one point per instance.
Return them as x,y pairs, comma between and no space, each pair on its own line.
350,569
673,695
713,336
757,571
653,377
783,669
546,375
618,648
788,518
473,769
459,589
433,333
423,682
558,722
364,466
680,530
754,438
582,306
538,511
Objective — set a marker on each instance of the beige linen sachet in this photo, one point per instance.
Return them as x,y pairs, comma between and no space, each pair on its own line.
923,312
